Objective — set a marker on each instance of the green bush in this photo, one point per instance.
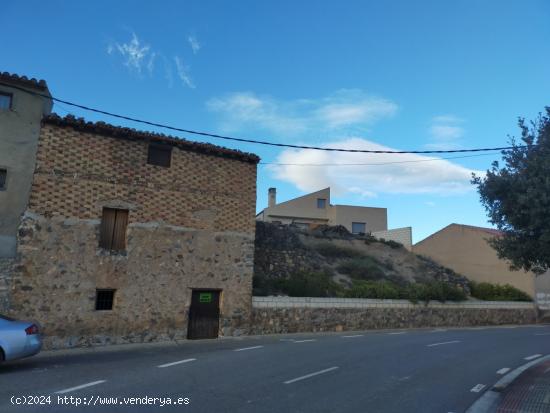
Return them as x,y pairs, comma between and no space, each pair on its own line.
414,292
497,292
364,268
334,251
373,289
391,243
316,284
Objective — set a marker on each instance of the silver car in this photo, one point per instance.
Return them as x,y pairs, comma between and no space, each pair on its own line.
18,339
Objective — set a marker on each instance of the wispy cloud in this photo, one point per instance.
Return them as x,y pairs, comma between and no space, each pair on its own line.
399,174
333,119
343,109
183,73
139,56
134,53
446,132
194,43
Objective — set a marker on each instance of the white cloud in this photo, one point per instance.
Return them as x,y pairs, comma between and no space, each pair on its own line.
403,174
183,73
343,109
194,43
446,132
134,53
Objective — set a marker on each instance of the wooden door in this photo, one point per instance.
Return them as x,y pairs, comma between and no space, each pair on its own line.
204,314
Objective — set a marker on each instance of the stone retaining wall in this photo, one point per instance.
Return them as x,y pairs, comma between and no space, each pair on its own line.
273,315
6,269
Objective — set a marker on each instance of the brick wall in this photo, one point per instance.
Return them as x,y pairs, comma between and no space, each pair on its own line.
77,172
190,226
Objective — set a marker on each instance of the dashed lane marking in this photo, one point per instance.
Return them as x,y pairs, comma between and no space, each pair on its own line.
354,336
248,348
175,362
477,388
396,333
307,376
304,341
534,356
82,386
503,370
441,344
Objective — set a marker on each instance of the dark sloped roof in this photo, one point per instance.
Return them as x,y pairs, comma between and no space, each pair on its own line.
23,81
105,129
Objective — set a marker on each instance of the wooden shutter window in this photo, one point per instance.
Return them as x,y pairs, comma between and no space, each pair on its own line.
159,155
113,229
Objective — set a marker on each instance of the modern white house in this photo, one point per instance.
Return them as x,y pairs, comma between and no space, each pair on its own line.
315,209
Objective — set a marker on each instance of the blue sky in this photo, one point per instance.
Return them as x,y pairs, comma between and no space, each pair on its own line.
359,74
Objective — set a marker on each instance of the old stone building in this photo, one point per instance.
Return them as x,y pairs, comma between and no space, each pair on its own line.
132,236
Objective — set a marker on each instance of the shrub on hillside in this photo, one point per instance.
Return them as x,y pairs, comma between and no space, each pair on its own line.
334,251
364,268
497,292
373,289
391,243
316,284
414,292
435,290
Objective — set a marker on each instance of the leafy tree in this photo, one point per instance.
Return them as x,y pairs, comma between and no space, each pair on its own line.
516,197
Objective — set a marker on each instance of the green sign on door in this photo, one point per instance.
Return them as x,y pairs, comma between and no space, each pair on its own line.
205,297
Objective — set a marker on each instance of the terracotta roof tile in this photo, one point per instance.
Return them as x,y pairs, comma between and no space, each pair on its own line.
23,81
106,129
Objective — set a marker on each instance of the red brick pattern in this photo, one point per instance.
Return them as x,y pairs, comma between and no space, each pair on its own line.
79,172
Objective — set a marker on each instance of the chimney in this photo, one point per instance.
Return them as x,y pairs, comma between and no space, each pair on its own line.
272,197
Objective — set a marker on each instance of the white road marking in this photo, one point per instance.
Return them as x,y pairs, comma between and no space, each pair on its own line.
305,341
477,388
445,342
174,363
509,327
397,332
307,376
534,356
248,348
357,335
542,334
286,339
437,330
82,386
503,370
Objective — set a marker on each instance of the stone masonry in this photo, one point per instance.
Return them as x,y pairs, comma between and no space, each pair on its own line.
276,315
190,226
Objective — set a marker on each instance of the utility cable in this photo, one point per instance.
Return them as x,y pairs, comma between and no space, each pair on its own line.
253,141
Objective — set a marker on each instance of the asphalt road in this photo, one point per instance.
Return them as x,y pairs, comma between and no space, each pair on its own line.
430,370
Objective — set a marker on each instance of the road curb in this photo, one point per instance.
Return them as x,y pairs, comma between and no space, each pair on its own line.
490,400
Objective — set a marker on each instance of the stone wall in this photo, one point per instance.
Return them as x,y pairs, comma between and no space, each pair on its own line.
274,315
191,226
6,268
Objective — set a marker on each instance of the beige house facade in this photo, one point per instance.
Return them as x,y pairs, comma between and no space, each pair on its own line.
465,249
316,209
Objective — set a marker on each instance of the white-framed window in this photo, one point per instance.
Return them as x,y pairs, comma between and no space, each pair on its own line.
358,227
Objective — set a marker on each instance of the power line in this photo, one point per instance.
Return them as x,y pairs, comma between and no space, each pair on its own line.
253,141
374,164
